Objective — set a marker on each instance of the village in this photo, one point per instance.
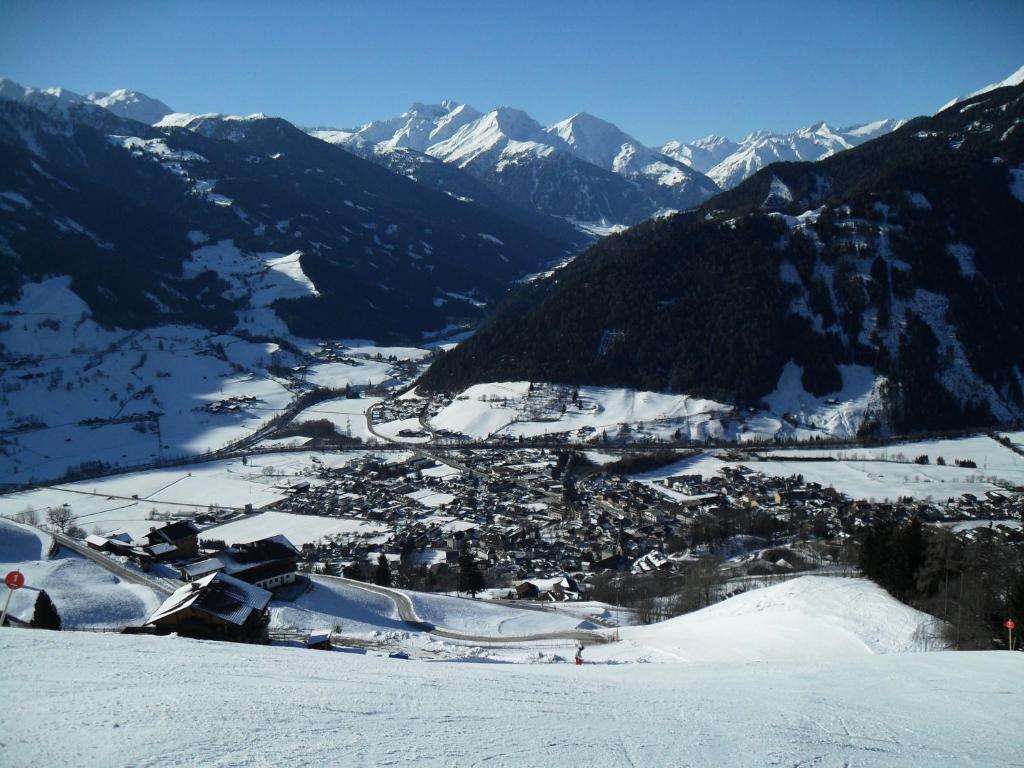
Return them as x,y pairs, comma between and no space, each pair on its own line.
532,524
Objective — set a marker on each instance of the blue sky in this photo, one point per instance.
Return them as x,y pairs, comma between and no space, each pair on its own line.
659,70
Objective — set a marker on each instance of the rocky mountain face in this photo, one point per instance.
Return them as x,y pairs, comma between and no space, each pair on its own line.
241,224
898,259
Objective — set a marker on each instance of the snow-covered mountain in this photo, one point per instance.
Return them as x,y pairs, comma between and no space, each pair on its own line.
583,169
1015,79
728,163
123,103
82,189
702,154
893,261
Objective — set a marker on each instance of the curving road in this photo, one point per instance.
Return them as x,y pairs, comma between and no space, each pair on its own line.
407,613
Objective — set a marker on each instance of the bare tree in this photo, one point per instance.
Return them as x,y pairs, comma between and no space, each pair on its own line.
28,516
60,517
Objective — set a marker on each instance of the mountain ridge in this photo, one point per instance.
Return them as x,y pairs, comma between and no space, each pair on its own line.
895,255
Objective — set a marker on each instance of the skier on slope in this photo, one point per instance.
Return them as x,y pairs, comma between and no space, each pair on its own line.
579,653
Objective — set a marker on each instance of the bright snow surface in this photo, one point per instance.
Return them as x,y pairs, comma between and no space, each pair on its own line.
884,472
116,700
84,594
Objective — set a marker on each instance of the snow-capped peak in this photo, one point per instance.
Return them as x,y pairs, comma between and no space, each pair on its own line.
123,103
729,163
492,131
597,141
132,105
46,99
1015,79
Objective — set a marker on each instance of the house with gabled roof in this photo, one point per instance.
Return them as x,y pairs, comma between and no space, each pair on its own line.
267,563
216,607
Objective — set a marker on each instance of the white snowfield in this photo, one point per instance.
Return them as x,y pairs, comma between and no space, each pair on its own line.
348,415
115,700
84,594
337,603
807,618
109,503
478,617
509,408
879,473
300,529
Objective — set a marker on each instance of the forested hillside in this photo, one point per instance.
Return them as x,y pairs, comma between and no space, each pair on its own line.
903,255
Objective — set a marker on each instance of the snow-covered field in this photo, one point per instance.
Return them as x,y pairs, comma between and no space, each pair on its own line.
109,503
513,408
300,529
792,676
887,472
335,603
486,618
510,408
1017,438
84,594
347,415
811,617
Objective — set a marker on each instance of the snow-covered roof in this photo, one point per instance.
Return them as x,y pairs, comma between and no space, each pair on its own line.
218,594
203,567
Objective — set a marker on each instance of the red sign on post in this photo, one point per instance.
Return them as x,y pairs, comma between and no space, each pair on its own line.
15,580
1010,624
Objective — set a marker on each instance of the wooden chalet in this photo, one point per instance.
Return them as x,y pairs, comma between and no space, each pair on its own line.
217,607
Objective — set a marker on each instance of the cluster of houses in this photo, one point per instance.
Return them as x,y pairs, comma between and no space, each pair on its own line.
225,594
515,519
231,404
508,510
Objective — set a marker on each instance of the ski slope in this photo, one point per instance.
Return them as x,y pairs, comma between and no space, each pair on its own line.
101,700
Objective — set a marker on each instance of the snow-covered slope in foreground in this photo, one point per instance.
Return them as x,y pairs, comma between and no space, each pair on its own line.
116,700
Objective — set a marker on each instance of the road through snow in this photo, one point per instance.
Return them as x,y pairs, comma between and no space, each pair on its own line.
407,612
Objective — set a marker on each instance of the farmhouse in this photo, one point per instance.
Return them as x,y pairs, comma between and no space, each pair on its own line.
267,563
217,607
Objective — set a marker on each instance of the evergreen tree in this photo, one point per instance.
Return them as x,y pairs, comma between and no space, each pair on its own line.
382,574
470,578
45,615
354,571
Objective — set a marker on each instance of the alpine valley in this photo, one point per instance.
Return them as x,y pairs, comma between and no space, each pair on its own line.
156,263
458,439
